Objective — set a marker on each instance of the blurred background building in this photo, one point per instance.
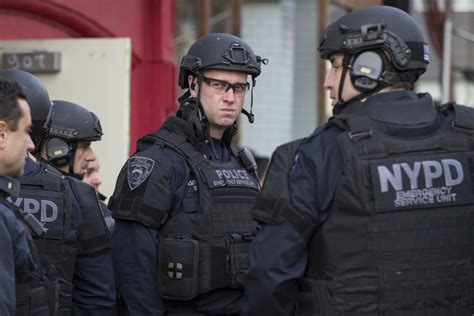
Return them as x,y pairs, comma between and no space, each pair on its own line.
120,58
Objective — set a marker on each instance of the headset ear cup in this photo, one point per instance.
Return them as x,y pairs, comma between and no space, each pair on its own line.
366,70
197,125
58,151
364,84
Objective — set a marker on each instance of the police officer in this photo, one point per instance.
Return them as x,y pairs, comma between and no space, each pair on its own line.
23,281
77,241
380,198
182,202
68,143
67,150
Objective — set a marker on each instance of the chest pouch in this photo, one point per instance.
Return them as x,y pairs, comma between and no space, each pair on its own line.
178,273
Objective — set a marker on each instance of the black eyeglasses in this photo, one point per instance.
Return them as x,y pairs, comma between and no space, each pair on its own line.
222,86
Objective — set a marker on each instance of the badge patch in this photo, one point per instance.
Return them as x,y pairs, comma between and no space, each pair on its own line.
139,168
232,177
421,181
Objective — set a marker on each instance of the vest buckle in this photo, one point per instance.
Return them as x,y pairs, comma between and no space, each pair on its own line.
360,135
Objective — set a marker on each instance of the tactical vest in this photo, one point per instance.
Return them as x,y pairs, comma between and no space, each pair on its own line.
94,237
36,292
44,195
398,240
204,249
109,221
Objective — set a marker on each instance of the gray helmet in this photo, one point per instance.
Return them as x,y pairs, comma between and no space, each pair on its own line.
71,122
38,100
379,27
219,51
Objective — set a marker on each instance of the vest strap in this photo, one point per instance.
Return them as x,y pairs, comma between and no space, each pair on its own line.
94,236
49,247
359,127
135,208
278,211
464,117
180,143
46,183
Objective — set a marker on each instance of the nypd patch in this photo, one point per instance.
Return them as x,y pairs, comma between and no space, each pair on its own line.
422,181
139,168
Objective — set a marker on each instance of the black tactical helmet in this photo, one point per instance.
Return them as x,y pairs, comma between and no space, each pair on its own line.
72,122
379,27
38,100
219,51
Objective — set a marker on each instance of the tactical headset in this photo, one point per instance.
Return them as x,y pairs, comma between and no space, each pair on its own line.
59,152
366,70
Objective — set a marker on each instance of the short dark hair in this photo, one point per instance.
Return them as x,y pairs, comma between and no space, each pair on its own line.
10,110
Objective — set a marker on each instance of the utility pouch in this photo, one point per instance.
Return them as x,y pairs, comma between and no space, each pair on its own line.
239,260
178,272
65,298
31,300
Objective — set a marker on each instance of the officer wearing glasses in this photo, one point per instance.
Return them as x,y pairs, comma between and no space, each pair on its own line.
182,202
222,86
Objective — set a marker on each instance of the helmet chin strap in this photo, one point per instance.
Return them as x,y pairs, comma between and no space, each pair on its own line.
71,167
340,105
207,132
250,115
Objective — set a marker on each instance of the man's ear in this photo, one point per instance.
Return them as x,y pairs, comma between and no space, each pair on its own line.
192,86
4,133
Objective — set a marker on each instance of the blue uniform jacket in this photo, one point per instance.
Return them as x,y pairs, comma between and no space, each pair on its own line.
15,255
94,283
278,255
135,251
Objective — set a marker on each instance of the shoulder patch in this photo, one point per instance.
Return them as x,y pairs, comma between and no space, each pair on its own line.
139,168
